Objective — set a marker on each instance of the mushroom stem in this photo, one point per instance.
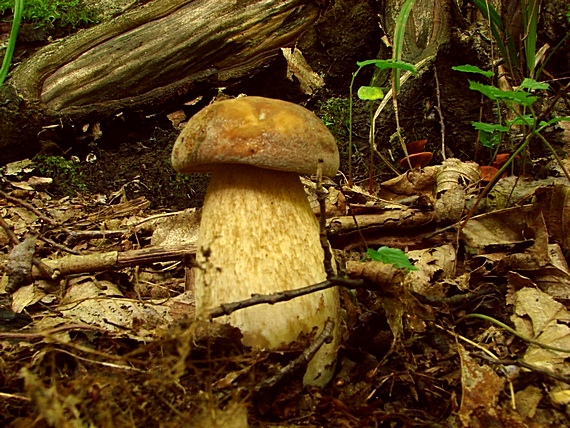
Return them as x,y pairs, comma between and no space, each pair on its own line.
258,234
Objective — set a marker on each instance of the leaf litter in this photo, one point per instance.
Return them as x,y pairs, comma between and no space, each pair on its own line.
98,329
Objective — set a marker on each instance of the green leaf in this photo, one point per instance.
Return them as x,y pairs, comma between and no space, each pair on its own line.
392,256
368,62
370,93
489,127
555,120
520,97
384,64
530,12
508,51
399,32
472,69
525,120
399,65
489,140
533,85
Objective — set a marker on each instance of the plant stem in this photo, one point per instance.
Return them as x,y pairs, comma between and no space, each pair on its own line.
18,9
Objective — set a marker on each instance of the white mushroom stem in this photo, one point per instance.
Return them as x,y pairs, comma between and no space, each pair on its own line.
259,235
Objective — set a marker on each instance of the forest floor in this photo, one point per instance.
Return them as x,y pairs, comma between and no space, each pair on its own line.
105,335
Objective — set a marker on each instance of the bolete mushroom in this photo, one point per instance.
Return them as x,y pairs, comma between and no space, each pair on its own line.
258,233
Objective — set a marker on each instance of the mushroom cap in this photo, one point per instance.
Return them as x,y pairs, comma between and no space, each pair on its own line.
257,131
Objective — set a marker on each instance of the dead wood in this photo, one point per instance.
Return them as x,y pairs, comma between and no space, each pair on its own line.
111,260
144,57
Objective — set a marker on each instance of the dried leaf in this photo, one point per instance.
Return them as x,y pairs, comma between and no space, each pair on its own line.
554,202
381,274
540,317
454,173
297,66
481,388
19,264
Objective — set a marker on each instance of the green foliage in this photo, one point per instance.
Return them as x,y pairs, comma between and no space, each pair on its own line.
507,49
473,69
520,102
49,12
334,113
373,93
505,41
66,173
399,33
519,96
370,93
392,256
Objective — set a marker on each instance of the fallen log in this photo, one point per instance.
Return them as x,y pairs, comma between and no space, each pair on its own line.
144,57
99,262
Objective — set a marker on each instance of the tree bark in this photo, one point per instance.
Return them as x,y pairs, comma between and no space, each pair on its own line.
145,57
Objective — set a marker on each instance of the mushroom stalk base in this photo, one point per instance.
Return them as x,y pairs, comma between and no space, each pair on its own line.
259,235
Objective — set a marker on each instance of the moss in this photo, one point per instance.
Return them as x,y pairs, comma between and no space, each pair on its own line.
63,13
67,175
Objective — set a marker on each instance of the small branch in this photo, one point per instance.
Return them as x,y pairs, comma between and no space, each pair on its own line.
321,198
283,296
520,363
45,333
439,112
325,336
29,207
98,262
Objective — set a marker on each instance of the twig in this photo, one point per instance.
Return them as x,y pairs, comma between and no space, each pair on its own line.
283,296
302,360
98,262
439,112
60,247
15,396
565,379
9,232
29,207
40,334
321,198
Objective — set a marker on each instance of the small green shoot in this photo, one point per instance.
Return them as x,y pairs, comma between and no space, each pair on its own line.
392,256
18,10
370,93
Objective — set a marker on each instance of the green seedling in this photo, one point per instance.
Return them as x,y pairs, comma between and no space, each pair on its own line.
370,93
392,256
520,102
373,93
18,10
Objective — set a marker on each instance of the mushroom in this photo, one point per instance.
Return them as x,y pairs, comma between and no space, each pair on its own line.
258,233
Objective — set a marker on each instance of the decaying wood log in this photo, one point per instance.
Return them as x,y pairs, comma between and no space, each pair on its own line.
99,262
407,228
146,56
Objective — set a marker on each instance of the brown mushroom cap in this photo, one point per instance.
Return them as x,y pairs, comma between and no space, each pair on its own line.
257,131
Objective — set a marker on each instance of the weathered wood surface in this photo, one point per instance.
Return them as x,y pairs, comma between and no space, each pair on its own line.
146,56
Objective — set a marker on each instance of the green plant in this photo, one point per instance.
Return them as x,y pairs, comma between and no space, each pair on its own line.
524,70
334,114
519,101
66,173
18,10
49,12
392,256
373,93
